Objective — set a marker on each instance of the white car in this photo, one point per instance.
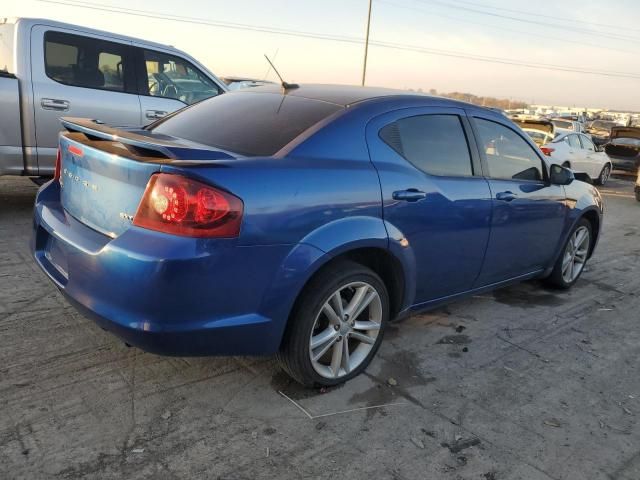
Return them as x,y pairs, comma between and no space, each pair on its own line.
577,152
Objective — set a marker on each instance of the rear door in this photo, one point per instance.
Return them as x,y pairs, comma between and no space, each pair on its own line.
528,212
79,75
593,161
168,82
434,194
578,156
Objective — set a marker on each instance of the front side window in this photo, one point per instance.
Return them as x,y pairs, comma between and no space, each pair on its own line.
508,155
173,77
436,144
87,62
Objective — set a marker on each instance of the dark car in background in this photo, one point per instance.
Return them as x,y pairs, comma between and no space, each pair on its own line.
624,148
600,131
540,131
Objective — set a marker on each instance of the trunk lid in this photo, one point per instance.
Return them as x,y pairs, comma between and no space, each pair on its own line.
104,171
625,132
540,125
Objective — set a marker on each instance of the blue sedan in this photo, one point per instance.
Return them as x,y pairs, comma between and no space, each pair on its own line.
299,221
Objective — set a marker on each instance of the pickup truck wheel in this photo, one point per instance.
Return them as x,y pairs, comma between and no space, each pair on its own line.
573,258
336,327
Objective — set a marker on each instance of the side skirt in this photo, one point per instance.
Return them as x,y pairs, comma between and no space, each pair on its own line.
431,304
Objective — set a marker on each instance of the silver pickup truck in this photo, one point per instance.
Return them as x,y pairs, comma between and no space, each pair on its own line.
50,69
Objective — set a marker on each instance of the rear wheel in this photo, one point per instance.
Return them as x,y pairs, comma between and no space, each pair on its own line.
573,259
336,327
604,175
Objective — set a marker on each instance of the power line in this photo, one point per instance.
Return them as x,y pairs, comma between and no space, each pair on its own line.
345,39
507,29
522,12
580,30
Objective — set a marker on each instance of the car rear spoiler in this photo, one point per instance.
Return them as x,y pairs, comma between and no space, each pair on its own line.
144,143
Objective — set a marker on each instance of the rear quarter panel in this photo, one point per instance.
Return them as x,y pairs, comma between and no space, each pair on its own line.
11,160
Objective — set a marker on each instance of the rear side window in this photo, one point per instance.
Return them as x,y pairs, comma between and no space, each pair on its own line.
169,76
508,155
436,144
87,62
252,124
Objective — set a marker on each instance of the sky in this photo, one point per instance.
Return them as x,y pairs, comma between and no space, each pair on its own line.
592,35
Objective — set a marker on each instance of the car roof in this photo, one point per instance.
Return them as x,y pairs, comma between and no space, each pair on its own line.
347,95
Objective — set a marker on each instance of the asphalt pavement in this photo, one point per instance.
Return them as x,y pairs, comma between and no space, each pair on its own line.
523,383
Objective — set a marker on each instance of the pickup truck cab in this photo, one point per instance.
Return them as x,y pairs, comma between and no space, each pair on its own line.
50,69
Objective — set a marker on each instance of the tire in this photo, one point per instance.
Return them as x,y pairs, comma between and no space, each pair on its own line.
637,190
311,318
560,277
604,175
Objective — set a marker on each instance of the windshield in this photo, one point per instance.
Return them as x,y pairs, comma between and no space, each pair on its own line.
540,138
563,124
252,124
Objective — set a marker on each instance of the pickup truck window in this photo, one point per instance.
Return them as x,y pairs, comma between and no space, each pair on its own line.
169,76
87,62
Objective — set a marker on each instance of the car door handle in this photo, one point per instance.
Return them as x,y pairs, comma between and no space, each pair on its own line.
55,104
506,196
155,114
410,195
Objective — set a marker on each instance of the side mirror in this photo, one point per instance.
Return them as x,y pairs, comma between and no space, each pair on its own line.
560,175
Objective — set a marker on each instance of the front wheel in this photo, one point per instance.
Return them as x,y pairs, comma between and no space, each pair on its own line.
336,326
604,175
573,259
637,190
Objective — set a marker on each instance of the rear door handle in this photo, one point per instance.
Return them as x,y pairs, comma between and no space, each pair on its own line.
410,195
506,196
155,114
55,104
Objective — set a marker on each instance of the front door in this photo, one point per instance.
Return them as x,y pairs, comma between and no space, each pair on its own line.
168,83
528,212
79,76
434,194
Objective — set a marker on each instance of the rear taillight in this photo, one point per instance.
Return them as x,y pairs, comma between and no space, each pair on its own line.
547,150
181,206
56,174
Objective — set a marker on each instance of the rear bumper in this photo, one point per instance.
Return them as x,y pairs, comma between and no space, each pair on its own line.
164,294
626,164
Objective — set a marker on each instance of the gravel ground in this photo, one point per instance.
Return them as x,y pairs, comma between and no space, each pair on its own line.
523,383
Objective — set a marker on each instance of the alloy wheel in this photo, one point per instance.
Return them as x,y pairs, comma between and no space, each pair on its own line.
604,175
345,330
575,254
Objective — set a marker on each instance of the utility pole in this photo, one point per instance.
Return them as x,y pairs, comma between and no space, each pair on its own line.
366,45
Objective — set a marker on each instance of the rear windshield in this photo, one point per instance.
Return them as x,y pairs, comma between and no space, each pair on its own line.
563,124
252,124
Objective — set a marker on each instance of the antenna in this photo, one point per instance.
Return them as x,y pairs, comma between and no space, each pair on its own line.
285,86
